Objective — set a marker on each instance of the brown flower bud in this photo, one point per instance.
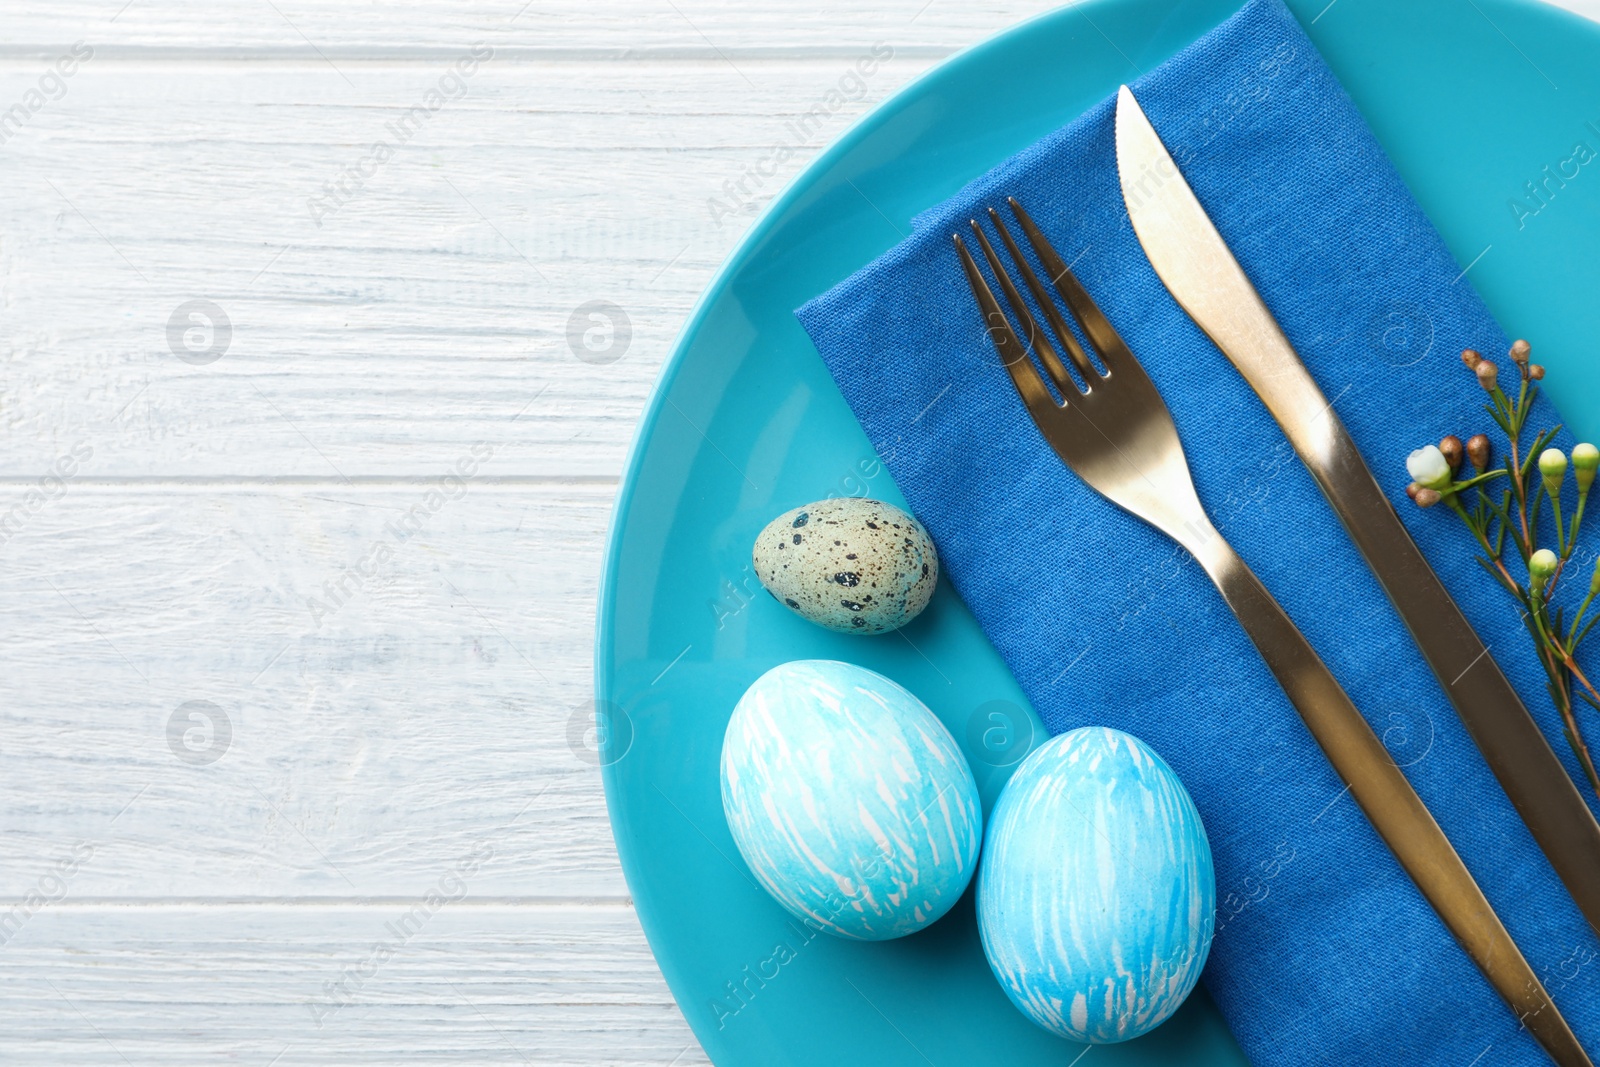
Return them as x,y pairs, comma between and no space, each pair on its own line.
1412,490
1478,451
1427,498
1535,371
1488,376
1471,358
1520,350
1451,447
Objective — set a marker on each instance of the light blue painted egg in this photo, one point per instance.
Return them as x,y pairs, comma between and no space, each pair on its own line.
1097,896
849,800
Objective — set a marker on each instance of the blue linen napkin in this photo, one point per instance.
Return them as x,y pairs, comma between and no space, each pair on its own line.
1325,953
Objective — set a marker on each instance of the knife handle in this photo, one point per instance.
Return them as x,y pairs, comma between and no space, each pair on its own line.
1513,745
1505,733
1386,796
1200,271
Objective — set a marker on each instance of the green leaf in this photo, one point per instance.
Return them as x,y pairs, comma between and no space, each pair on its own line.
1514,589
1503,513
1476,480
1494,413
1533,514
1583,758
1540,442
1585,633
1533,629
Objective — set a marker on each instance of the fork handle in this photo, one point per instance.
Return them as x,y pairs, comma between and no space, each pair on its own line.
1385,795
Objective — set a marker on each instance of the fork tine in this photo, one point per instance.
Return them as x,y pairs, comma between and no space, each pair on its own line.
1012,352
1037,338
1096,327
1051,312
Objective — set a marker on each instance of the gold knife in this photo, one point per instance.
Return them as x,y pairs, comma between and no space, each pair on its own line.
1118,437
1200,272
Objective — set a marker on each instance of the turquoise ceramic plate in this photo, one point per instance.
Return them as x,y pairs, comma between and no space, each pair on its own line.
1472,98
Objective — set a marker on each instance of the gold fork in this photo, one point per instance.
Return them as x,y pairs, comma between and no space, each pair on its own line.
1116,433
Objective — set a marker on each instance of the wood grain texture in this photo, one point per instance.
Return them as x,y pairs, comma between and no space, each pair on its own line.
377,338
164,522
299,986
381,330
377,725
355,28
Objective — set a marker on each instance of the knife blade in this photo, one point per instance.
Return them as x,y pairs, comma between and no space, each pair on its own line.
1200,271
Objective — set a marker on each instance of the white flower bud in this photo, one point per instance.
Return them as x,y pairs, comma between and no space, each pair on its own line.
1541,565
1429,468
1553,468
1585,461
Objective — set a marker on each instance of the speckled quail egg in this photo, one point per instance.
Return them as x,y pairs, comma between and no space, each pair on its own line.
856,566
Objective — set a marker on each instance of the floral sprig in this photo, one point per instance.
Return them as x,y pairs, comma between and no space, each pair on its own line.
1511,512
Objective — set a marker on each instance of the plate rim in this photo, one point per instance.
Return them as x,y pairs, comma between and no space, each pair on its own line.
736,259
739,258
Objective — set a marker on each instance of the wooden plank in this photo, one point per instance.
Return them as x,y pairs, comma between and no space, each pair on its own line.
334,33
458,982
379,330
390,726
338,30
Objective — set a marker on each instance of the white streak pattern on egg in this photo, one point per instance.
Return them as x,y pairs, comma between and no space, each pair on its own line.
849,800
1097,893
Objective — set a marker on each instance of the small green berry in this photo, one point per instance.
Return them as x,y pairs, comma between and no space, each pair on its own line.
1553,468
1585,462
1541,565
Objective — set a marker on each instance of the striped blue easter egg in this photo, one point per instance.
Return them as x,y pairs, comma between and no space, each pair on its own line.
849,800
1097,896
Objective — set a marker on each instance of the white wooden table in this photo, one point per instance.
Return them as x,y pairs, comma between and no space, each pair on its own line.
285,775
